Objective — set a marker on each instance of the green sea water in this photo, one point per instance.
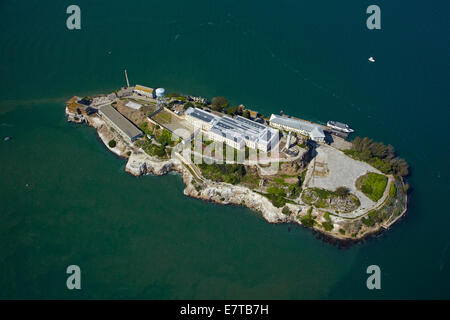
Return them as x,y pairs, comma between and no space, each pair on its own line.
64,199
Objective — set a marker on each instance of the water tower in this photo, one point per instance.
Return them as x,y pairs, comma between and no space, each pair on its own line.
160,97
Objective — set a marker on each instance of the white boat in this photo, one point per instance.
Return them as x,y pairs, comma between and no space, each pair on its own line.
371,59
340,126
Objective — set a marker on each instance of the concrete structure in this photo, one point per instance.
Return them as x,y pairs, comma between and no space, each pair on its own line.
121,124
125,92
134,105
126,78
143,90
238,132
315,132
112,96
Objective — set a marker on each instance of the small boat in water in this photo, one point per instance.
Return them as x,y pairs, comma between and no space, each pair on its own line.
340,126
371,59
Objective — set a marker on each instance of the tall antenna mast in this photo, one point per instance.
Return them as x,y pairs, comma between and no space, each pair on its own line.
126,77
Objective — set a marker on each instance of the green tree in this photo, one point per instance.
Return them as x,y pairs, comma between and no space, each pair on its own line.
112,143
188,105
342,192
286,211
219,103
233,110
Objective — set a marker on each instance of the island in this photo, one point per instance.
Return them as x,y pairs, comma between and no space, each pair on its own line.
288,169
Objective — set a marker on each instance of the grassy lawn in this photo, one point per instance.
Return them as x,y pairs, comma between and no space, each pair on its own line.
372,185
163,117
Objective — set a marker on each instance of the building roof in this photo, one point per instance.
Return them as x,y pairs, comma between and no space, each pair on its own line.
143,88
241,128
120,121
315,131
201,115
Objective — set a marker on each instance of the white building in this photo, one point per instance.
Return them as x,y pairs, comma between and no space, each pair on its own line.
315,132
143,90
237,133
200,119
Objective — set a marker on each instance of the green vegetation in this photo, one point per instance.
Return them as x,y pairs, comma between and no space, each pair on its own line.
229,173
144,127
372,185
328,226
392,191
112,143
276,196
128,153
164,139
233,110
286,211
322,198
163,117
188,105
308,219
219,103
342,231
371,219
379,156
342,192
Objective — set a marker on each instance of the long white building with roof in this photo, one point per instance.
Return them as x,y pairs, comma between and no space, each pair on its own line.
315,132
236,132
143,90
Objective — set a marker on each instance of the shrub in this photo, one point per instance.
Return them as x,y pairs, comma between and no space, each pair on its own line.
328,226
219,103
342,192
286,211
112,143
308,220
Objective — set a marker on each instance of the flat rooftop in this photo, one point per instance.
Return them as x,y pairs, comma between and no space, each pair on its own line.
120,121
201,115
298,124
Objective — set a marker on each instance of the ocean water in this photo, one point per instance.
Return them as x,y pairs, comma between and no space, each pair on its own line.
64,199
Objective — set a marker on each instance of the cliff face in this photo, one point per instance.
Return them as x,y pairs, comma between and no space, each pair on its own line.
139,163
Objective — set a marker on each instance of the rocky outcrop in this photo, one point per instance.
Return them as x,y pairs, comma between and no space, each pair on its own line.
139,163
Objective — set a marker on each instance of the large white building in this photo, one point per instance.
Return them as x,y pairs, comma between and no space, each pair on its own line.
236,132
315,132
